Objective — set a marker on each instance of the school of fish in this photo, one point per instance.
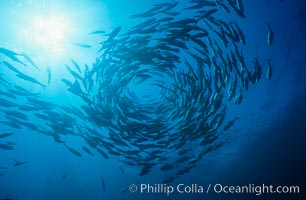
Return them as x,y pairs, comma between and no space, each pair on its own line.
190,59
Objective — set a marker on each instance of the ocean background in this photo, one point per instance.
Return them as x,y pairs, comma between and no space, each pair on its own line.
265,145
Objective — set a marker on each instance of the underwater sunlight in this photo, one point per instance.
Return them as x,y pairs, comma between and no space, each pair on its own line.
49,32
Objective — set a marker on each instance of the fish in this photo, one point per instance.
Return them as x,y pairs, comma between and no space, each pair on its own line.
102,153
270,35
114,33
269,69
11,54
240,34
146,169
75,152
11,124
76,65
16,114
207,14
58,139
184,170
6,147
200,5
183,151
124,190
167,167
11,67
30,79
29,59
64,176
222,5
172,13
18,163
238,98
97,33
257,71
230,124
121,169
73,73
49,74
67,82
8,94
103,183
4,135
3,81
10,143
21,91
87,151
82,45
237,6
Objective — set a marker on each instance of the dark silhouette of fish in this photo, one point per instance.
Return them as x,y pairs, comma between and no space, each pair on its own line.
49,74
76,65
114,33
29,59
121,169
11,54
82,45
87,150
102,153
18,163
103,183
75,152
269,69
6,146
4,135
11,67
230,124
29,79
270,35
97,33
146,169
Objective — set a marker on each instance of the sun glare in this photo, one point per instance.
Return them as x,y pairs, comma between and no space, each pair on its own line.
53,32
49,32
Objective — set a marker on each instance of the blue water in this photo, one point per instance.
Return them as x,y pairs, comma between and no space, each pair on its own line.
265,145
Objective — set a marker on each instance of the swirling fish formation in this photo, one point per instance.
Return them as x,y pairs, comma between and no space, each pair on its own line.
191,61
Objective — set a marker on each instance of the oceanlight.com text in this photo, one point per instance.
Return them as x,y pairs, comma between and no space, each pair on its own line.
213,188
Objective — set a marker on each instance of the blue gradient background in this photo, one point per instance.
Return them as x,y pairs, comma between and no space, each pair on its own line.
267,144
